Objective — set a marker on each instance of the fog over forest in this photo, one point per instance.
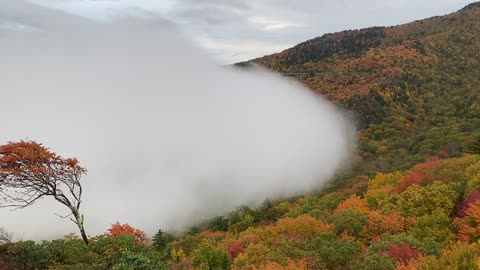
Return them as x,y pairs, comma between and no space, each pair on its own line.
168,136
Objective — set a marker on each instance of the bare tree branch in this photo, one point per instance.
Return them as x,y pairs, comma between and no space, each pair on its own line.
5,237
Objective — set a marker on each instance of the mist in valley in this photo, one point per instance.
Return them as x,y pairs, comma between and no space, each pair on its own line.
169,137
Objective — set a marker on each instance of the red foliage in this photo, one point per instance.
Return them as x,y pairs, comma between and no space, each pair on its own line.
403,253
234,250
422,173
413,178
118,229
428,167
463,206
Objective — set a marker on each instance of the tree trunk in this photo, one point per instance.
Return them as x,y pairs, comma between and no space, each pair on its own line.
84,235
79,222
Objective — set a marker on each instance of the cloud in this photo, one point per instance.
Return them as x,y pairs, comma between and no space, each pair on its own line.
282,23
269,24
168,136
286,23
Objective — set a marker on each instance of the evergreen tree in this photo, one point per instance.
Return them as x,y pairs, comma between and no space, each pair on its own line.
161,239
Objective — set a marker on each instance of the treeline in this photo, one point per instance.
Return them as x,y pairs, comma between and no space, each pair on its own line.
427,217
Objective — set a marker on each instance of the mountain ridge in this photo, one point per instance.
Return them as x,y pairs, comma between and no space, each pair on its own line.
399,80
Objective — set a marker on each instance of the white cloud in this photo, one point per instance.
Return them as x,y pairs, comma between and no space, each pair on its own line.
270,24
276,22
225,51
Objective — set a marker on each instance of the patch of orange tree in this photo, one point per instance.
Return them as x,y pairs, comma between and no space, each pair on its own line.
29,172
118,229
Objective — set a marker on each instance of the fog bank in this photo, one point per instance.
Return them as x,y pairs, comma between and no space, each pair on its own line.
168,136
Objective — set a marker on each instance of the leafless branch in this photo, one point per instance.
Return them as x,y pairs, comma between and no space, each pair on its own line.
5,237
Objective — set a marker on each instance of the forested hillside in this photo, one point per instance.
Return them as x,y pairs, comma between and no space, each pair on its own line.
415,87
411,201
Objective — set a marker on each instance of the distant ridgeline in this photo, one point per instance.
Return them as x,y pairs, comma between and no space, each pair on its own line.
415,88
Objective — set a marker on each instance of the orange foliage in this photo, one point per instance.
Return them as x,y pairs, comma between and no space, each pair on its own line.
354,202
292,265
412,178
301,228
118,229
379,224
412,265
469,226
17,157
32,171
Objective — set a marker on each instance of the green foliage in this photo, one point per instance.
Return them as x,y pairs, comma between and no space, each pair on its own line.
426,245
140,261
423,200
103,253
474,148
332,253
437,226
376,262
208,257
27,255
350,221
68,252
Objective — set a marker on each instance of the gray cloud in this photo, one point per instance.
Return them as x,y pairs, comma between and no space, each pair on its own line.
284,23
168,136
234,30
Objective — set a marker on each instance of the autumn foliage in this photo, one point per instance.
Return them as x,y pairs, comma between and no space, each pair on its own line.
234,250
463,207
403,253
410,201
29,172
118,229
469,225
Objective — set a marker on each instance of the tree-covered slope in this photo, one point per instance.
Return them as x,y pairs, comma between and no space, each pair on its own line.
415,87
427,217
411,202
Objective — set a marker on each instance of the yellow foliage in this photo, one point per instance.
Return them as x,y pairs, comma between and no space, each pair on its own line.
177,255
382,179
459,256
305,226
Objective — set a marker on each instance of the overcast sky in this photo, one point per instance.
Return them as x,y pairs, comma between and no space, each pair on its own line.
236,30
